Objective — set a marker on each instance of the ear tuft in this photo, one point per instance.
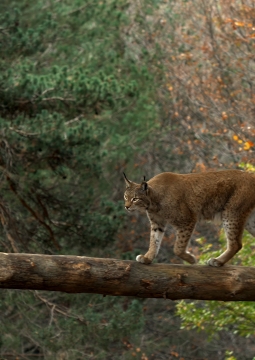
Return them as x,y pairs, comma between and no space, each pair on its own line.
128,183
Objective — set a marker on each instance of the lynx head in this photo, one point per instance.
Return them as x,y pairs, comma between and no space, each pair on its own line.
136,196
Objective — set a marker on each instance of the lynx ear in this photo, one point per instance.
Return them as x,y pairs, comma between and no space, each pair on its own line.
128,182
144,184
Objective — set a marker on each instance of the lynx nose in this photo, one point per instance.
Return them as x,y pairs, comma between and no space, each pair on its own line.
127,207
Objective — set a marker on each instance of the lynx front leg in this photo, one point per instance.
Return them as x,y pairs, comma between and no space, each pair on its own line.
234,230
182,239
157,233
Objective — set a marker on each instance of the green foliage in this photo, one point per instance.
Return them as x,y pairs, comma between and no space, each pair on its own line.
73,326
216,316
71,101
23,39
75,107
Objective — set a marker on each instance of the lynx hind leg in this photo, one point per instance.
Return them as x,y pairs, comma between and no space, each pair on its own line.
157,233
233,228
181,243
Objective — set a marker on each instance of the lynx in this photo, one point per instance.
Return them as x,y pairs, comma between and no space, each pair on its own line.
182,200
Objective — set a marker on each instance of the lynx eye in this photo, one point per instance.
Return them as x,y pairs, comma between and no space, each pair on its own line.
135,199
125,197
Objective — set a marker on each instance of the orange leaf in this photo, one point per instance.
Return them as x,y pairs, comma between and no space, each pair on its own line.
239,23
246,146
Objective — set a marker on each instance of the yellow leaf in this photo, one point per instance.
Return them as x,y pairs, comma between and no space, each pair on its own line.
235,137
248,145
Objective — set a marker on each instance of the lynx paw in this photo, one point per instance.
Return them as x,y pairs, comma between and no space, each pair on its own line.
214,262
192,259
142,259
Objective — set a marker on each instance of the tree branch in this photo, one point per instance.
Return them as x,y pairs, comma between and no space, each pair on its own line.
80,274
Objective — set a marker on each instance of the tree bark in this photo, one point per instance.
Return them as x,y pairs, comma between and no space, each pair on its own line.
80,274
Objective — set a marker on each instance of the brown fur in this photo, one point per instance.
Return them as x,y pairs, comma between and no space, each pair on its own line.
182,200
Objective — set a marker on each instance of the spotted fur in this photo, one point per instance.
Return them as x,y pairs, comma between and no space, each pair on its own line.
182,200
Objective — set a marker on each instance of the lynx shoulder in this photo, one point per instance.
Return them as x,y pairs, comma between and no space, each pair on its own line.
182,200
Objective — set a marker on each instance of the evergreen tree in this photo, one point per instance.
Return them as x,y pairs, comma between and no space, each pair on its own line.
74,103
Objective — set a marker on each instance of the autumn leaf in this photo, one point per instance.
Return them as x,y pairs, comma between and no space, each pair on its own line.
248,145
239,23
224,115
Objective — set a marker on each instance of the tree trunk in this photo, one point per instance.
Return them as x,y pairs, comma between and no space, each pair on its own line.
80,274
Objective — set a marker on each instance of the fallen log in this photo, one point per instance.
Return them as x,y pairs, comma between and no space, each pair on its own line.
80,274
